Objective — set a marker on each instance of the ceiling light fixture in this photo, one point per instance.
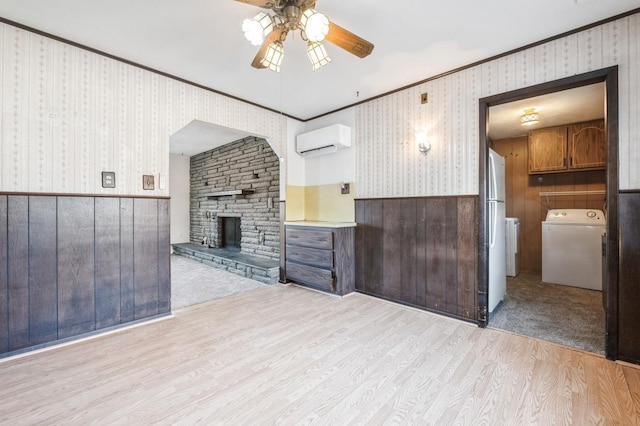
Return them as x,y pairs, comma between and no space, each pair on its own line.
270,31
317,55
256,28
273,58
529,117
314,24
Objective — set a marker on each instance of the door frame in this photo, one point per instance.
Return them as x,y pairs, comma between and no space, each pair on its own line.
610,77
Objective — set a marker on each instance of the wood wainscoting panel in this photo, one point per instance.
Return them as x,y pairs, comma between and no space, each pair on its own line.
164,257
4,281
451,304
369,238
43,310
393,262
467,257
145,254
76,266
629,278
67,265
436,256
421,251
127,288
107,248
18,271
408,273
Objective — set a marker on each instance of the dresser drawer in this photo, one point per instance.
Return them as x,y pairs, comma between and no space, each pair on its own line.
311,256
309,238
310,275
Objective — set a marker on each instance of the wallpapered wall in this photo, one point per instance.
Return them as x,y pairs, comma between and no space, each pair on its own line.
68,114
390,165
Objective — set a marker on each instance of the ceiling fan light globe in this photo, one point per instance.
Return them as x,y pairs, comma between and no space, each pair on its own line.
256,28
317,55
273,58
314,24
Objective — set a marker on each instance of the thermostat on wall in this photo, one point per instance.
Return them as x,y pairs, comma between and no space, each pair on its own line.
147,182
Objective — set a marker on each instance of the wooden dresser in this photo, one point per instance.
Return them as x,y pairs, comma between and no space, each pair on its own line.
321,255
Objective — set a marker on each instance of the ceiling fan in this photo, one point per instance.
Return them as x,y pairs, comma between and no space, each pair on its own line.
270,30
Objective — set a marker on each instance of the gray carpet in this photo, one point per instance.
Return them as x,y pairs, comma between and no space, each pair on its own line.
569,316
193,282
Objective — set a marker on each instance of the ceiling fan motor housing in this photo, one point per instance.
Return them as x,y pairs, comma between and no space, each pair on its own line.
292,16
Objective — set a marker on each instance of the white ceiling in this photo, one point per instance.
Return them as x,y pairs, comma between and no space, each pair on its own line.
199,136
201,41
570,106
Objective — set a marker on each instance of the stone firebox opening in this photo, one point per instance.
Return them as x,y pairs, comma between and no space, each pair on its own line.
229,232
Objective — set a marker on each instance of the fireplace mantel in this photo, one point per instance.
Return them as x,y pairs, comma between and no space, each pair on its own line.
232,192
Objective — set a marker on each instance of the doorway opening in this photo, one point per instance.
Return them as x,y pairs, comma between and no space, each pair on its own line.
538,193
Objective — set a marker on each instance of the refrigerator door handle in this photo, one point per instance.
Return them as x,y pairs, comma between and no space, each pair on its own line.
493,217
492,179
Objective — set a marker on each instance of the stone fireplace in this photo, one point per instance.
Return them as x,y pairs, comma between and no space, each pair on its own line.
235,198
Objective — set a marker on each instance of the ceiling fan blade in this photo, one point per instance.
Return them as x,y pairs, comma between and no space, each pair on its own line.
267,4
273,36
348,41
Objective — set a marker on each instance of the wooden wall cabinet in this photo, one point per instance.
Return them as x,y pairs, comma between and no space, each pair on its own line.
580,146
321,257
548,150
587,145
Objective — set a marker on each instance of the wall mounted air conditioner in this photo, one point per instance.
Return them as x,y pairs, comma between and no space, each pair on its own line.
324,141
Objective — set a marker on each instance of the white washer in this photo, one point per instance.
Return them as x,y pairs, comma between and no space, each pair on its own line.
572,248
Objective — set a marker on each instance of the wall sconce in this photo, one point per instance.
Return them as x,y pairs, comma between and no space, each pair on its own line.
423,144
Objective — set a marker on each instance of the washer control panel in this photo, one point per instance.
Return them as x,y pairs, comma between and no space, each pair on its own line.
576,216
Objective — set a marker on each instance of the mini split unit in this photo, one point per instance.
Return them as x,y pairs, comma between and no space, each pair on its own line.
324,141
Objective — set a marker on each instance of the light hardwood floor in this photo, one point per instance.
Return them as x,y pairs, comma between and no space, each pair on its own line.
287,355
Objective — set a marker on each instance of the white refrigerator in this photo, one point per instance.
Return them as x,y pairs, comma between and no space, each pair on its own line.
497,229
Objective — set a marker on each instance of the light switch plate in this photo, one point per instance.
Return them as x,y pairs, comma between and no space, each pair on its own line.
147,182
108,179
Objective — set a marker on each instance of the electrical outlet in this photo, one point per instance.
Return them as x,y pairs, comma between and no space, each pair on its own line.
108,179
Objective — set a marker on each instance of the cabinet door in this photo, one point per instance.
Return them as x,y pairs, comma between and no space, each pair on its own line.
548,150
587,147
